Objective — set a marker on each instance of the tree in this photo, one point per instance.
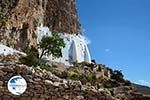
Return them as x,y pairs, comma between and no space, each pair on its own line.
49,45
118,76
52,45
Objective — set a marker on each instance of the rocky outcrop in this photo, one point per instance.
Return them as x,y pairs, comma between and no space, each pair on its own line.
48,85
44,85
22,17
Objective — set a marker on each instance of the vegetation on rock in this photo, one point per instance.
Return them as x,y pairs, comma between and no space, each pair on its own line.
118,76
32,57
80,81
3,20
50,45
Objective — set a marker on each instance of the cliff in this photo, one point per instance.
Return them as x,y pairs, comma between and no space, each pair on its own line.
19,19
21,22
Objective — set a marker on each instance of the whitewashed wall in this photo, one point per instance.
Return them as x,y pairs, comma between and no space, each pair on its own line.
76,47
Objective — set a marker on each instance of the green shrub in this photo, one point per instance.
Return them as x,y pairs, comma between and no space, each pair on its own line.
127,88
91,78
30,60
3,20
32,57
75,64
76,76
9,43
57,73
84,78
118,76
65,75
45,66
110,84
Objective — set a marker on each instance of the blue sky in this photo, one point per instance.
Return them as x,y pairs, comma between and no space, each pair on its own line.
119,31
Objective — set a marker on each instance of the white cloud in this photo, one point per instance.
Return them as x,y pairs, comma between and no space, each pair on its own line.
143,82
107,50
83,30
88,41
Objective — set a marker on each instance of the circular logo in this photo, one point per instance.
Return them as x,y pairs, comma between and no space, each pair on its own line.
17,85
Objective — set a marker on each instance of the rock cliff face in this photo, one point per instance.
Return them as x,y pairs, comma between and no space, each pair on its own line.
19,19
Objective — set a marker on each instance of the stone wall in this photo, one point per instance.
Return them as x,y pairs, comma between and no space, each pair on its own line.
42,85
45,85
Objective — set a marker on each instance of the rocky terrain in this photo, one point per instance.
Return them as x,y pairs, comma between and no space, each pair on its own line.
61,82
19,19
142,89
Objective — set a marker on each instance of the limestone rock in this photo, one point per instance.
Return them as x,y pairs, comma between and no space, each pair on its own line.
1,73
80,97
22,17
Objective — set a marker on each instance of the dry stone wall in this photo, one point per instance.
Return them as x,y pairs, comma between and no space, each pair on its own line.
43,85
